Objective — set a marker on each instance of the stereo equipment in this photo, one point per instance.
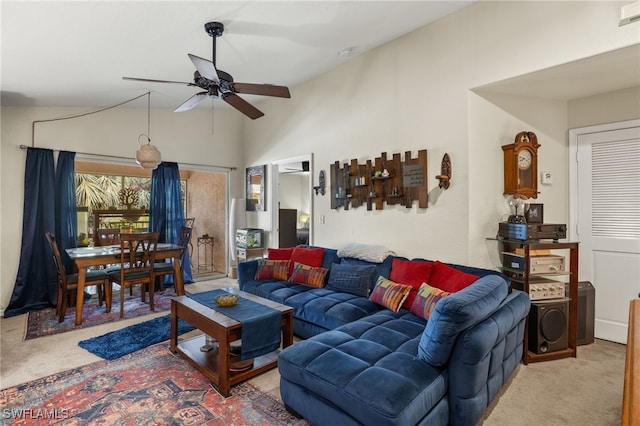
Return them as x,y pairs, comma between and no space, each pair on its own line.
532,231
549,264
542,288
586,312
548,326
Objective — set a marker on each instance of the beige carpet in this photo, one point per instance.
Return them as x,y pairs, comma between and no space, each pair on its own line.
586,390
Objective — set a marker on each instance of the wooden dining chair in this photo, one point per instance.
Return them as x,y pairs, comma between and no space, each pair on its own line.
107,237
164,268
137,256
68,283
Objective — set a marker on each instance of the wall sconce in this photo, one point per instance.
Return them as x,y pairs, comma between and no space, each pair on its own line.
320,188
148,156
445,172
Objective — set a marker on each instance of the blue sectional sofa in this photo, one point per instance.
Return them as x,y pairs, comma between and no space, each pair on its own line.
361,363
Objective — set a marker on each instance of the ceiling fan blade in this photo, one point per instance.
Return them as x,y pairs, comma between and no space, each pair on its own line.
205,68
243,106
192,102
261,89
158,81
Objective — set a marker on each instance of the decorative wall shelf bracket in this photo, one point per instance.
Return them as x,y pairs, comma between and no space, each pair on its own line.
382,180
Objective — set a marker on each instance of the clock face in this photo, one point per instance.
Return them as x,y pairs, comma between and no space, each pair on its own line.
524,159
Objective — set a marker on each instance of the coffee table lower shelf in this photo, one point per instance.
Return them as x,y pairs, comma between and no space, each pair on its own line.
221,365
207,363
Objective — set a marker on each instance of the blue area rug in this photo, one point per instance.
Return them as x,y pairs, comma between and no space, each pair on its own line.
121,342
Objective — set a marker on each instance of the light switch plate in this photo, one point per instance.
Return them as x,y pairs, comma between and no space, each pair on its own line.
546,178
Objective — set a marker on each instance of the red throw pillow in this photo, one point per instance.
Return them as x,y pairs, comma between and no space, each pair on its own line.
450,279
279,253
310,256
411,272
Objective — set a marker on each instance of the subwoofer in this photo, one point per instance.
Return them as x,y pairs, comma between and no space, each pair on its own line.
586,311
548,326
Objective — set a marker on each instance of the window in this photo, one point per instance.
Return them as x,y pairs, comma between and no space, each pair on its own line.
113,201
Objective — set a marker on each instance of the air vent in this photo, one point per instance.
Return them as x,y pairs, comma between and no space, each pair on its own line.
630,13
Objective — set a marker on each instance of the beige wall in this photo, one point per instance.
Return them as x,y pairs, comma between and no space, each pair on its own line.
206,202
621,105
417,92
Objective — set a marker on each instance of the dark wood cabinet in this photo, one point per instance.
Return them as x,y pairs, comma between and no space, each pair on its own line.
288,220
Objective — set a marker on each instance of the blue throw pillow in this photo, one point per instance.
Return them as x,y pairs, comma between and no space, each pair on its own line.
353,279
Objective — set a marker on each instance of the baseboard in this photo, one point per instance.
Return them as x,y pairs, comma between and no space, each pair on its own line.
612,331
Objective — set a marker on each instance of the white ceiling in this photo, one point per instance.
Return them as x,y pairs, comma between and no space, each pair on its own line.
75,53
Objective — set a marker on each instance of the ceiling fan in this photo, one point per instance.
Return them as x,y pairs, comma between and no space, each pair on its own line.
217,83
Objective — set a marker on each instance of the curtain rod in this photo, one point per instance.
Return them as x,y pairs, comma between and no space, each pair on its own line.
128,158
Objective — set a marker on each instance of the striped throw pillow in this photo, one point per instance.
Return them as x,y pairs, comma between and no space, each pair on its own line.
309,275
426,300
272,270
389,294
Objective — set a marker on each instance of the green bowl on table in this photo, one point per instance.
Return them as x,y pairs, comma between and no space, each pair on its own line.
227,299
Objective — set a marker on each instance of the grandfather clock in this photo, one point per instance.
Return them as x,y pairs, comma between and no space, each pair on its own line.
521,166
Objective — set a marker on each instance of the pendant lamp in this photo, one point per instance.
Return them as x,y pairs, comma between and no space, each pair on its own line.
148,156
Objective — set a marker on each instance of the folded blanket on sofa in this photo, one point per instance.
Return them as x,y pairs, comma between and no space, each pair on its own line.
368,252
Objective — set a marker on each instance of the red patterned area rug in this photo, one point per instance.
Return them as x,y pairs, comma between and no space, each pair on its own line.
148,387
45,321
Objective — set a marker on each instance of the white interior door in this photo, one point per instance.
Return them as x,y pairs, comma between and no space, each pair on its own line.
606,189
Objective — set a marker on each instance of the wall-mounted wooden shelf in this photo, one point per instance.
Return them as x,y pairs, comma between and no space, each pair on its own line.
353,184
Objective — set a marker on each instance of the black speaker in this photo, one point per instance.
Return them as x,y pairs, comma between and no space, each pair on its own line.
586,312
548,326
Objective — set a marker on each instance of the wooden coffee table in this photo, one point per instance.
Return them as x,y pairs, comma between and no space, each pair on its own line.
218,364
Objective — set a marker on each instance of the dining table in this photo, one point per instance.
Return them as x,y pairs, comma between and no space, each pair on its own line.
87,257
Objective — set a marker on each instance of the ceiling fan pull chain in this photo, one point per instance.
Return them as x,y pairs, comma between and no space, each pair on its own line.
212,115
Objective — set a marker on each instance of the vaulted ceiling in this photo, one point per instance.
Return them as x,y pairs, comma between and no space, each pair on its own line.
75,53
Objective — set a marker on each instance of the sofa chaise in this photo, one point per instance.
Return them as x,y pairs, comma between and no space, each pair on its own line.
378,360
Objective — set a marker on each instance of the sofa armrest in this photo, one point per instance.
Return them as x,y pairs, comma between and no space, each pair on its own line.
246,271
456,313
484,357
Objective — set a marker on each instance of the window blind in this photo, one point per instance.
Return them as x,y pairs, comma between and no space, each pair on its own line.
615,193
